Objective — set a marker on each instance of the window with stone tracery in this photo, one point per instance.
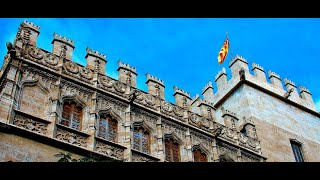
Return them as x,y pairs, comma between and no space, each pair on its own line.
199,156
108,127
141,140
72,115
172,150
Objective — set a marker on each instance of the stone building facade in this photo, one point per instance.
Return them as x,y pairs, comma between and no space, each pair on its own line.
50,104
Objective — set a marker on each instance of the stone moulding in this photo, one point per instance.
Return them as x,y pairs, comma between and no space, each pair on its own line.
30,122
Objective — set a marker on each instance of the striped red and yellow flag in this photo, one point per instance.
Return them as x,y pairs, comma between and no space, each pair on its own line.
224,51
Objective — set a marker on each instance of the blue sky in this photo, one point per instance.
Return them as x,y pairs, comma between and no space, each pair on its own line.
183,51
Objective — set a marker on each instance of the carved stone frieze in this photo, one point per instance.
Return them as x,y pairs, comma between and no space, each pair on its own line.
71,89
228,134
169,127
172,110
32,74
224,148
199,121
148,118
140,158
105,103
200,139
109,150
71,137
111,85
248,142
145,99
30,124
82,73
42,57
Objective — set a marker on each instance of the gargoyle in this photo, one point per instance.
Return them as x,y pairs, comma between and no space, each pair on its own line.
287,94
11,49
242,74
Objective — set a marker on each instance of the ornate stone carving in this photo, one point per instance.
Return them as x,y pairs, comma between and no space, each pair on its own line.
106,82
144,99
248,142
140,158
105,102
30,124
35,53
42,57
148,118
109,150
228,134
51,59
224,148
33,74
82,73
172,110
86,73
169,127
198,138
71,67
71,89
71,138
112,85
119,87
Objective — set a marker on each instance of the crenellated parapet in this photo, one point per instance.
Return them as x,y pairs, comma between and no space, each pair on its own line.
155,86
127,74
230,119
207,90
275,79
27,34
62,46
182,97
292,88
258,71
236,64
306,95
96,61
221,79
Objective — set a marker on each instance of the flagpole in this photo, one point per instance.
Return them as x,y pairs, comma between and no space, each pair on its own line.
229,45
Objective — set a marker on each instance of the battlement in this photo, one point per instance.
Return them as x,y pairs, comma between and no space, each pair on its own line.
303,89
126,66
30,25
63,49
95,53
220,73
209,85
63,39
236,58
256,66
155,79
180,91
273,74
288,82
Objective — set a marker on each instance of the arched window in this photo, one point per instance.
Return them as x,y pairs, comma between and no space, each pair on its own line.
141,140
172,149
199,156
71,115
108,128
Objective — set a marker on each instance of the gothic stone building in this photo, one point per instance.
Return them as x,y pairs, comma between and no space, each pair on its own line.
50,104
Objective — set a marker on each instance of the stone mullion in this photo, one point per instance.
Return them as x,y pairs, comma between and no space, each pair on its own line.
189,146
215,153
160,153
127,139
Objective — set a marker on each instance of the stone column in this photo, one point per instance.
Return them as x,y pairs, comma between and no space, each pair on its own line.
160,153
